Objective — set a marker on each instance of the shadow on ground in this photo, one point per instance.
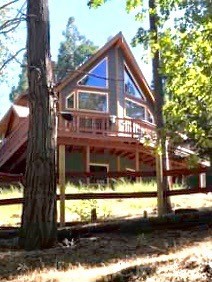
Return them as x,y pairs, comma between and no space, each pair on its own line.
100,250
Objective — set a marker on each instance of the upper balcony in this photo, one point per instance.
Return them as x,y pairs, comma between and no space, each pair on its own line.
83,125
97,126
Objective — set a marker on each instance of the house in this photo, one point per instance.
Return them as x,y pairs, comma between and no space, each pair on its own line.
112,125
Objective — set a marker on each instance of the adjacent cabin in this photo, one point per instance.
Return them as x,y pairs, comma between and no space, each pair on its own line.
105,119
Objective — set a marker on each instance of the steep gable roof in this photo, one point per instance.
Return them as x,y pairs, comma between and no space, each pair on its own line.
20,111
117,40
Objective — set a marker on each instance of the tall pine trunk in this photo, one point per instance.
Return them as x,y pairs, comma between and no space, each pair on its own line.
164,205
39,228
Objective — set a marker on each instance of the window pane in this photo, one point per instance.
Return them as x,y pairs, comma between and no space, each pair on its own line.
130,86
93,101
134,110
97,76
70,101
149,117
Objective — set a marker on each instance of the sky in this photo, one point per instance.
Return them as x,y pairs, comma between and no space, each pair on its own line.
96,24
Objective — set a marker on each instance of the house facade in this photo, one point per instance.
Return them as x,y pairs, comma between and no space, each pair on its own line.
105,119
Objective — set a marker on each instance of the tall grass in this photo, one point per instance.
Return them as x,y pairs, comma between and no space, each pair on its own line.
80,210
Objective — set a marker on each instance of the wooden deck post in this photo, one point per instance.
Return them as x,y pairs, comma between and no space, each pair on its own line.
137,163
118,163
87,161
168,164
62,183
202,180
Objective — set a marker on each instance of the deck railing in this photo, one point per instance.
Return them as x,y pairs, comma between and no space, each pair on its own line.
107,125
14,141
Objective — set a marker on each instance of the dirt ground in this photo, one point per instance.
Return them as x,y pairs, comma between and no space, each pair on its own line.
175,255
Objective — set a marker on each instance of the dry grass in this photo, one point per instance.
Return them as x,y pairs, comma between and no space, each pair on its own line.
78,210
180,256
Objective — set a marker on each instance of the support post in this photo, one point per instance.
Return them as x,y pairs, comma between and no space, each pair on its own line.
118,163
62,183
87,161
168,164
137,163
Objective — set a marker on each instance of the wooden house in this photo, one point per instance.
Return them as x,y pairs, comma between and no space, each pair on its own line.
111,126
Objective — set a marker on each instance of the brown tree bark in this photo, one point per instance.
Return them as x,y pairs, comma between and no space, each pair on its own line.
164,205
39,228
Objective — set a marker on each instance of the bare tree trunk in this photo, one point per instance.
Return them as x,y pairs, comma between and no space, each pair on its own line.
39,219
164,205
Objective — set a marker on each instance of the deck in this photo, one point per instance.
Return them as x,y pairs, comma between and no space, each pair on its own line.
83,126
105,126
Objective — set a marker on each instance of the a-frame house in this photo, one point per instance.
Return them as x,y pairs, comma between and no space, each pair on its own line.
105,118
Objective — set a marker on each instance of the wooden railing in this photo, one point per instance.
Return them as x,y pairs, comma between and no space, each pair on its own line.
14,141
106,125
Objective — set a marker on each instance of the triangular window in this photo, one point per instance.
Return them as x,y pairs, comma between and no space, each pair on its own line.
97,77
130,86
70,101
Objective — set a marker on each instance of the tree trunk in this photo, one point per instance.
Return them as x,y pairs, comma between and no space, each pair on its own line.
164,205
39,221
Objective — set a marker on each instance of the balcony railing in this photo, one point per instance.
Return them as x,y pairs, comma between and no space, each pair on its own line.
106,125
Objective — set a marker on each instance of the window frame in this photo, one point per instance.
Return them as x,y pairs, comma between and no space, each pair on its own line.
135,102
106,78
74,102
95,93
107,165
146,109
143,97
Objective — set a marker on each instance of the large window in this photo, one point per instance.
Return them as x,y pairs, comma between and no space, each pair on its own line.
92,101
130,86
134,110
97,77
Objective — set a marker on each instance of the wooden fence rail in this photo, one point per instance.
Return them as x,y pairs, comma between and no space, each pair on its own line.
11,178
115,195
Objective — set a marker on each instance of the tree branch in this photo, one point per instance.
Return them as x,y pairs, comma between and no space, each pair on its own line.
8,4
11,58
11,24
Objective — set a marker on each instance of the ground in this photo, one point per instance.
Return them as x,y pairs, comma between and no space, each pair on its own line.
171,255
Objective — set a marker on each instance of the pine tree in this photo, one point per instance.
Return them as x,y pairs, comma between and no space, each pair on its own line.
39,219
73,51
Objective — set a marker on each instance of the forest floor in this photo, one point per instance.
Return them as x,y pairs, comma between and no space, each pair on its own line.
171,255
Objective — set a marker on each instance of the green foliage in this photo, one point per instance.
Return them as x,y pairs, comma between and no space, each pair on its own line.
187,65
73,51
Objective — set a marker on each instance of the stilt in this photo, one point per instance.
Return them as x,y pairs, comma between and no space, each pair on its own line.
87,162
62,183
137,163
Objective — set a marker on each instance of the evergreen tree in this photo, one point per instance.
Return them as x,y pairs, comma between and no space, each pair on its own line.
39,215
73,51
